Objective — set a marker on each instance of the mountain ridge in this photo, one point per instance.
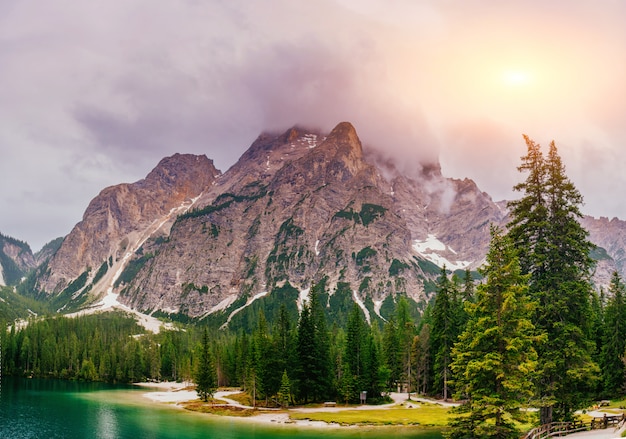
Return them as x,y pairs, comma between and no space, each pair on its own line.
298,208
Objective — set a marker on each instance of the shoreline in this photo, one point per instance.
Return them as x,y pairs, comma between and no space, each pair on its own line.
174,394
169,392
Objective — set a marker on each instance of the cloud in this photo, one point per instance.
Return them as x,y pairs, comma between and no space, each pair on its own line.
96,94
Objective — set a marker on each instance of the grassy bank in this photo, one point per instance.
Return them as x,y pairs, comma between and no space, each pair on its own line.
426,415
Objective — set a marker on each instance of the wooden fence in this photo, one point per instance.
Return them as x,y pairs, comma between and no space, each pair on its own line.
564,428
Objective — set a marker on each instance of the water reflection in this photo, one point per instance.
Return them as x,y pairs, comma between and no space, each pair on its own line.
107,423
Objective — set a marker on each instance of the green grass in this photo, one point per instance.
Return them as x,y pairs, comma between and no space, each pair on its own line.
215,408
242,398
615,404
427,415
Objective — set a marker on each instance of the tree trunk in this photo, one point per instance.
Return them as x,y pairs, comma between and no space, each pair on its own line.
546,415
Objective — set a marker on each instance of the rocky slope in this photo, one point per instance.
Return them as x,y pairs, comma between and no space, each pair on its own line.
122,216
610,237
16,259
298,208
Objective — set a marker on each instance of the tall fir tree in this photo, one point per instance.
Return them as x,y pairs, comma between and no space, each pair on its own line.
355,356
205,376
422,360
391,352
284,393
554,250
614,339
406,332
494,359
444,332
313,371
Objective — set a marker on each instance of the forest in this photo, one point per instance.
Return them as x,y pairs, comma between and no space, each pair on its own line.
532,331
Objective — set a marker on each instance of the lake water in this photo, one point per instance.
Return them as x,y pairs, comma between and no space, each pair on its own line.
31,408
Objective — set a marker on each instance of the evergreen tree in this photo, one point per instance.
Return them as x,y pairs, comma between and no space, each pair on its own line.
468,286
347,386
284,394
597,325
284,339
614,340
406,332
375,375
206,381
391,352
494,359
313,352
422,359
554,250
266,361
355,354
444,332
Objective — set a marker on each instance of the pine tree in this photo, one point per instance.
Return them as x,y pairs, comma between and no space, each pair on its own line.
313,352
355,354
494,359
205,372
284,394
468,286
406,332
391,352
284,339
321,364
422,359
614,340
554,250
444,332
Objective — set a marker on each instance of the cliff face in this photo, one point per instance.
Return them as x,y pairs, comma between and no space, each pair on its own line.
309,208
297,208
301,207
16,259
120,215
610,237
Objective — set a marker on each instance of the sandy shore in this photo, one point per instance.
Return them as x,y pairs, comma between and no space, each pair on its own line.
170,392
176,393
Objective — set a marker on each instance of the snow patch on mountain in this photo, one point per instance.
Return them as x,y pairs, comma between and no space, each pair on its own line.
431,249
311,140
377,306
303,298
224,304
247,304
359,302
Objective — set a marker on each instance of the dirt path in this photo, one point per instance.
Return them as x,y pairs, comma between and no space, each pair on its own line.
398,399
224,397
609,433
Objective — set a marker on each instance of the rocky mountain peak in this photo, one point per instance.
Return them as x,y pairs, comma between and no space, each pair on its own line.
337,157
126,214
344,140
181,171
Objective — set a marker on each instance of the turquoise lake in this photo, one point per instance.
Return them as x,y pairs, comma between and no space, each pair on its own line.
31,408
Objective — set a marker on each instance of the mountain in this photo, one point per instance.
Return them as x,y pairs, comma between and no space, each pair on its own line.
16,259
123,217
299,208
610,237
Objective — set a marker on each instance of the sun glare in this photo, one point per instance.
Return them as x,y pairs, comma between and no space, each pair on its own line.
516,78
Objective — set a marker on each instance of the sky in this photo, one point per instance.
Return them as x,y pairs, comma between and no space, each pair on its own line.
94,94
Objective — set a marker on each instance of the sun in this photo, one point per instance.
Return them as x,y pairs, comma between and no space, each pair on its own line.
516,78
